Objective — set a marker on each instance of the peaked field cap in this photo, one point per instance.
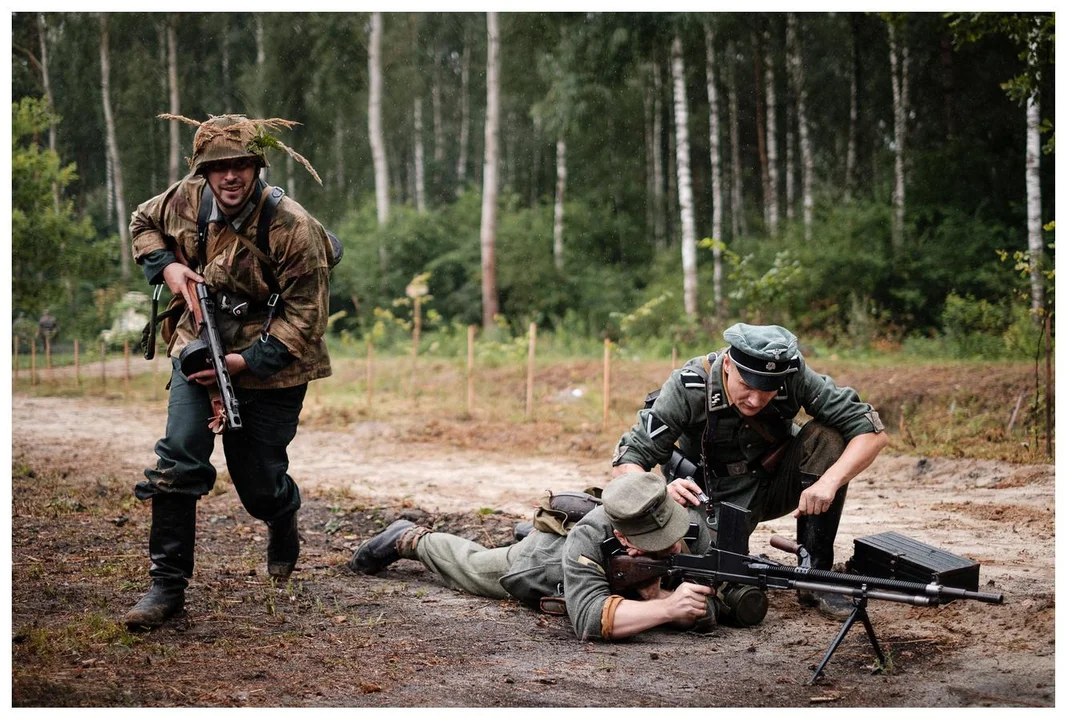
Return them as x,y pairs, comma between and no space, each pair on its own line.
639,507
763,354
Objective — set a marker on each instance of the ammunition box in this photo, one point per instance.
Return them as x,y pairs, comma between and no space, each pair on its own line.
893,555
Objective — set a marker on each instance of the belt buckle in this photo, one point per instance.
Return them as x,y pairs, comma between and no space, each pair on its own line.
737,468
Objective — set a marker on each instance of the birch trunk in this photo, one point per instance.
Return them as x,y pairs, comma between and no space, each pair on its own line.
658,161
1034,192
897,85
261,65
374,126
558,208
738,223
172,87
647,107
793,42
42,30
291,177
465,117
113,151
224,42
439,130
772,198
488,235
420,177
762,149
672,205
682,163
791,195
854,111
717,174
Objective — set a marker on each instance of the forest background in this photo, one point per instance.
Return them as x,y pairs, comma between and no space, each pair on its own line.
875,182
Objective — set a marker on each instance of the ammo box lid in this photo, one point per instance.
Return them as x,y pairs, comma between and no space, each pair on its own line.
893,555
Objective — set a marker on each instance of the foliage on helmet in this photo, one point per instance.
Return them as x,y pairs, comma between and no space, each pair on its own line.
227,137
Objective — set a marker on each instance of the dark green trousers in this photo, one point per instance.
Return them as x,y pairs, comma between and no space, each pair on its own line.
256,454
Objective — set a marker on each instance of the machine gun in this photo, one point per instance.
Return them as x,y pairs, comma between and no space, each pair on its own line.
731,563
208,351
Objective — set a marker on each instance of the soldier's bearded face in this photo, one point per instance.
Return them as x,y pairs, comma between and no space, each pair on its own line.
232,181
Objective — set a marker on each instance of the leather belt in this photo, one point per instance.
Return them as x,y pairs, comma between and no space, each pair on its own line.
740,467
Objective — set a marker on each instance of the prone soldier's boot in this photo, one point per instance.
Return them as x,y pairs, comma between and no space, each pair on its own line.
283,546
170,547
387,547
816,533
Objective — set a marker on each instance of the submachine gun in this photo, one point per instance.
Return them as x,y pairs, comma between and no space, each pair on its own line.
208,351
731,563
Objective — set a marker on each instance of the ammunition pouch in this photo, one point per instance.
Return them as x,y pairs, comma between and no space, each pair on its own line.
558,513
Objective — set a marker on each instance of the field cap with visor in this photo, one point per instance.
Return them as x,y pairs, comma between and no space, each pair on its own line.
639,507
763,354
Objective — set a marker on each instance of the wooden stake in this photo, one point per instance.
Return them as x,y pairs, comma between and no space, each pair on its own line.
470,368
533,336
33,361
1049,387
370,374
126,377
1015,411
103,365
607,389
77,367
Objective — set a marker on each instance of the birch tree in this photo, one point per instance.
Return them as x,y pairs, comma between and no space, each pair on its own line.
794,50
488,234
717,175
172,86
658,160
123,220
771,200
682,164
420,171
1033,183
42,31
465,115
738,222
374,126
899,72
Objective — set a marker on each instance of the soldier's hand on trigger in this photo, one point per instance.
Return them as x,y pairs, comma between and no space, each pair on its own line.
687,603
177,277
235,364
686,492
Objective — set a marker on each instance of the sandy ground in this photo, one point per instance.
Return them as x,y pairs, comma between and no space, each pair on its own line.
492,653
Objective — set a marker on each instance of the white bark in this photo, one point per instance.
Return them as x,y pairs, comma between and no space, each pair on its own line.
682,163
717,174
899,93
172,86
1034,191
488,234
558,207
772,198
650,193
291,177
465,119
738,224
658,161
374,125
793,42
420,170
439,130
261,64
113,151
42,31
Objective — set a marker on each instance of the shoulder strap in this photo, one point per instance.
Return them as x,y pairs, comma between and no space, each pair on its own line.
206,198
263,234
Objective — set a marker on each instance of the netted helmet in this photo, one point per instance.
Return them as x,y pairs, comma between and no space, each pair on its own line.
226,137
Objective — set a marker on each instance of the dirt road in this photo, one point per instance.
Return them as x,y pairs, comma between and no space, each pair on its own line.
329,638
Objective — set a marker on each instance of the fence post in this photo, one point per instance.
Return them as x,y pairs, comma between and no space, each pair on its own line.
370,373
77,367
15,362
103,366
470,368
33,361
126,376
533,336
607,389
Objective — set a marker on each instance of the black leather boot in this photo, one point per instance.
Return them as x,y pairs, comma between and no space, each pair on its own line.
283,546
817,533
377,552
170,547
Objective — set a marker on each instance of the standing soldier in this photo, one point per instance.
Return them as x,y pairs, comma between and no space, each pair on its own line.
732,413
46,328
272,311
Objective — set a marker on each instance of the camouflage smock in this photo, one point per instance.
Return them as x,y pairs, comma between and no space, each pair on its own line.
298,254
